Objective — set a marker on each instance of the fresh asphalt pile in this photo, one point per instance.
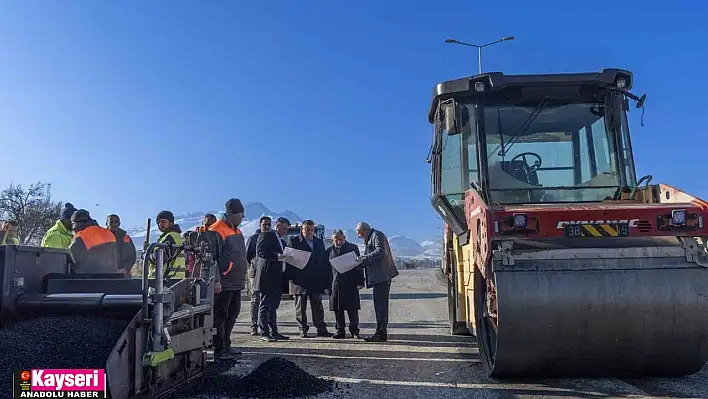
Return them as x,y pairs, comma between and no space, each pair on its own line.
56,343
276,378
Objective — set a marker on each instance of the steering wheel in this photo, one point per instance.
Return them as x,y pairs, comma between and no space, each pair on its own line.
531,168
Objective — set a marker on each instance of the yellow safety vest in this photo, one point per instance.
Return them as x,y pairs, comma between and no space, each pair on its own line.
178,268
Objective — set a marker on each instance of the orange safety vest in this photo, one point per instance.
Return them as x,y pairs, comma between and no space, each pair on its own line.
93,236
225,231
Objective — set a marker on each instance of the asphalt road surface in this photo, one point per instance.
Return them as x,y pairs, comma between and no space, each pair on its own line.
421,359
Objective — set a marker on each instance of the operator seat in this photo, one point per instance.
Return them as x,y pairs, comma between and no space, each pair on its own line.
501,179
519,170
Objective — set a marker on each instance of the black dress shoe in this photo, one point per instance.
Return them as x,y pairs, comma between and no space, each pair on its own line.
376,338
279,337
325,334
356,336
339,335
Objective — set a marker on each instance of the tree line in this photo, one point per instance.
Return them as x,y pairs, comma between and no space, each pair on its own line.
32,208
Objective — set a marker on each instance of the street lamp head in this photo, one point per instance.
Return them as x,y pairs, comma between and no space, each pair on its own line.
507,38
450,41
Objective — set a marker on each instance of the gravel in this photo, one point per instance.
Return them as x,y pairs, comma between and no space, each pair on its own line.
56,343
276,378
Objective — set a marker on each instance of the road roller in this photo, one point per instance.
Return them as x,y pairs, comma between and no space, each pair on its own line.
165,325
559,260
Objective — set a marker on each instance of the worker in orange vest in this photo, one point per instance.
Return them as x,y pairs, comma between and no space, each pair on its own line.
93,247
232,267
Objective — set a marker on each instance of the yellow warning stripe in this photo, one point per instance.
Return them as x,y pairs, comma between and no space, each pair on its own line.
599,230
592,230
609,229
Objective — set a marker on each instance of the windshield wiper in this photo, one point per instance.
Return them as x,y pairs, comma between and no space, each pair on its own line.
524,127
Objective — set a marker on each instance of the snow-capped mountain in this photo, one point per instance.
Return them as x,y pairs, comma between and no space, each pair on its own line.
400,245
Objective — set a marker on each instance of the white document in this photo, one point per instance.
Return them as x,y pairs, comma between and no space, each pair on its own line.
344,263
296,257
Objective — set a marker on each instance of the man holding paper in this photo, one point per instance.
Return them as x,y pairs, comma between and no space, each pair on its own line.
270,268
310,281
380,270
345,284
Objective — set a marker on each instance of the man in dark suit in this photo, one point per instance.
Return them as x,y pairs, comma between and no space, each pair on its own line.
310,282
252,259
344,297
268,281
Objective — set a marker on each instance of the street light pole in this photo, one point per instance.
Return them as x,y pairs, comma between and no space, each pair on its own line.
479,59
479,47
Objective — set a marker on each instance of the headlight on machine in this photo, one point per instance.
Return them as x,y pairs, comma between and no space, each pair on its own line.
678,217
679,220
521,221
517,224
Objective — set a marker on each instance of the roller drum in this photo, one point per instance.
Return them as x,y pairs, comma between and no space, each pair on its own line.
612,317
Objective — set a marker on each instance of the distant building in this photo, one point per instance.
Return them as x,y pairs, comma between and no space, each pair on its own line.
417,263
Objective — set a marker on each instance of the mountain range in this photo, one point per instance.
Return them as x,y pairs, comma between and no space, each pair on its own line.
400,245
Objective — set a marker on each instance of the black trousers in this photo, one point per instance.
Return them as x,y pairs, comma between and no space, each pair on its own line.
255,303
267,312
316,308
353,320
227,306
381,297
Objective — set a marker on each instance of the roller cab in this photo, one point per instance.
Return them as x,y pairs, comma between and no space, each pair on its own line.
558,258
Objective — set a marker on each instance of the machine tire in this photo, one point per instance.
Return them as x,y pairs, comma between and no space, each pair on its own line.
456,327
486,335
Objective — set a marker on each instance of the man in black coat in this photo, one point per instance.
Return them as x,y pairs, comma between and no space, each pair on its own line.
252,259
310,282
268,281
345,287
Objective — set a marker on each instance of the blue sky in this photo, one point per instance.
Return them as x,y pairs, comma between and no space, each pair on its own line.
318,107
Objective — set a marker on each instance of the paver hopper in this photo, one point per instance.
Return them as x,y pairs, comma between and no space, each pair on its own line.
168,324
557,258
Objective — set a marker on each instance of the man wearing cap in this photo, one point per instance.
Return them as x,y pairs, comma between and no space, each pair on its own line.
269,278
176,267
59,236
232,266
126,248
93,248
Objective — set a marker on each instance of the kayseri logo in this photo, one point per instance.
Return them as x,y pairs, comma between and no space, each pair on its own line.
563,223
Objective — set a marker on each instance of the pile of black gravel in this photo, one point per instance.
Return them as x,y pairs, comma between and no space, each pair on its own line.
56,343
276,378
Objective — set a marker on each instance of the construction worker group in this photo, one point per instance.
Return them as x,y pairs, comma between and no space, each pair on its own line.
96,249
